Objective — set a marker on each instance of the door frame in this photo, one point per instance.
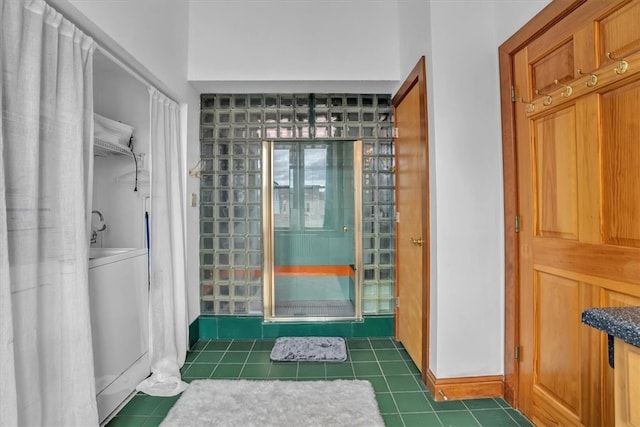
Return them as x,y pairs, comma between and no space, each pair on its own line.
268,235
418,76
547,17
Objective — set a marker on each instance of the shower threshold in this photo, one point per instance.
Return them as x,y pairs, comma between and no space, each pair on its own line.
314,309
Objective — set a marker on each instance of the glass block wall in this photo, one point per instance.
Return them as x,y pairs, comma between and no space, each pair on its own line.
232,129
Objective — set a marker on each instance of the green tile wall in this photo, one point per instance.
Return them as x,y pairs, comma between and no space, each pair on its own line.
253,327
194,332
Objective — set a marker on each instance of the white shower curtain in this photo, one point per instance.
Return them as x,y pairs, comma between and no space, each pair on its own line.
46,154
167,294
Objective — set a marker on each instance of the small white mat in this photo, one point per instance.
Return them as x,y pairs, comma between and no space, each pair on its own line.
309,349
240,403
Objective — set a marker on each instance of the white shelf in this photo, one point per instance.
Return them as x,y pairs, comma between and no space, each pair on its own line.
105,148
111,137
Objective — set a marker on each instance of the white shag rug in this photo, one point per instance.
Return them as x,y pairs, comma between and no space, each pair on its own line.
244,403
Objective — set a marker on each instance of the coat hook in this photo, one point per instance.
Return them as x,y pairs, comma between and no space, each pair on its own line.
548,101
622,67
530,106
593,80
567,91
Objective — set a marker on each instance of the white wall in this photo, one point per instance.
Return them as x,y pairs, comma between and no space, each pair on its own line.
460,40
151,36
467,150
414,34
154,32
511,15
293,41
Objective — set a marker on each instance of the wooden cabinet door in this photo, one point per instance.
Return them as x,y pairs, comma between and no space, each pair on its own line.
577,145
627,384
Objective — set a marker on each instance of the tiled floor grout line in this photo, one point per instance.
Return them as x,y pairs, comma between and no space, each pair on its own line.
270,368
438,418
472,414
224,353
220,362
253,342
353,369
511,416
423,392
393,399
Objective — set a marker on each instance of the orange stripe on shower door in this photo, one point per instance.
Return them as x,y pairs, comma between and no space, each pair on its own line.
313,270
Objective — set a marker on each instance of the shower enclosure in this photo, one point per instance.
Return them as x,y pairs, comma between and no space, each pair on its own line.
312,217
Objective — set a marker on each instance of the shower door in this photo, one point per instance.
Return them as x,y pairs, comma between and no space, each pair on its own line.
311,222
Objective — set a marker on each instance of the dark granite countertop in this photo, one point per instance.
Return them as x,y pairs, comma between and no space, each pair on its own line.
620,322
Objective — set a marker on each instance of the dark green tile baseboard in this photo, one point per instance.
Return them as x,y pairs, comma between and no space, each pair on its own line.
194,332
252,327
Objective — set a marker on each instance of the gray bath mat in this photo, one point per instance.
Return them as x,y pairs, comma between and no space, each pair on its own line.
309,349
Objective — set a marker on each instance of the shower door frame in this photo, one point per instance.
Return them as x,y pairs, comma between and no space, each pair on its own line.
268,235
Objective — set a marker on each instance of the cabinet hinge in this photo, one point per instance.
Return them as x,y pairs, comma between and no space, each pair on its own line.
394,132
397,217
517,223
397,301
513,94
517,353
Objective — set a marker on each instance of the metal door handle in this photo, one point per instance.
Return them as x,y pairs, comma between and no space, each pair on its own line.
417,241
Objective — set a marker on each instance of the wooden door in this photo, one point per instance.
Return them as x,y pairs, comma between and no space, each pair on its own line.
575,173
412,233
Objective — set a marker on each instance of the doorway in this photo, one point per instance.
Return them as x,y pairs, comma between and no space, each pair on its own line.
412,217
312,217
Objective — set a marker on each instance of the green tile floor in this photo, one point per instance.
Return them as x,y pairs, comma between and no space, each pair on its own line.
402,398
